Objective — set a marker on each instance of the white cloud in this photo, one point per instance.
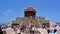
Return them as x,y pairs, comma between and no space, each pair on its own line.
6,13
9,11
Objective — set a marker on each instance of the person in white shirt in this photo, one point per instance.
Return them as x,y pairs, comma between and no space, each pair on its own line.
32,29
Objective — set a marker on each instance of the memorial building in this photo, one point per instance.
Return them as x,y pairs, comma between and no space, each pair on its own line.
31,18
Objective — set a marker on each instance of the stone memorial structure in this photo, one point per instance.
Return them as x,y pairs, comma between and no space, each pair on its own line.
31,18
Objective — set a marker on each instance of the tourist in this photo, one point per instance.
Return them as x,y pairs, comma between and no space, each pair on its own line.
55,31
52,32
48,31
9,30
32,28
23,28
4,29
14,27
22,33
18,31
1,32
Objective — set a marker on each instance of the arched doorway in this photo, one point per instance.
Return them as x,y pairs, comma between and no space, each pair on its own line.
15,25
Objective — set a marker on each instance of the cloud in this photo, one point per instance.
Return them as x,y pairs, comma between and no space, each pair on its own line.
9,11
6,13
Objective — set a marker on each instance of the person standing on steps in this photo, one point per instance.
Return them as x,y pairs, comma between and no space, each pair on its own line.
32,29
23,28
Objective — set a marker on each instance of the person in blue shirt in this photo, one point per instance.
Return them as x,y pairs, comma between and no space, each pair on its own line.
52,32
55,31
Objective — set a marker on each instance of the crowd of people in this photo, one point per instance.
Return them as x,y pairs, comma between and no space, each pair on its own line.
16,29
54,31
21,30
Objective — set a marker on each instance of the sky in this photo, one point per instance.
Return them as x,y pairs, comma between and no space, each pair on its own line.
10,9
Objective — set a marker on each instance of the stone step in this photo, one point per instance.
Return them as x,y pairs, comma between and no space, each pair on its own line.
42,30
35,32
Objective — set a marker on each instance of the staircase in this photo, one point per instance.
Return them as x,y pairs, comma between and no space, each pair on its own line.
34,22
42,31
35,32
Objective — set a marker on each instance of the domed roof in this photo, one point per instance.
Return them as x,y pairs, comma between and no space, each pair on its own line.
30,8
